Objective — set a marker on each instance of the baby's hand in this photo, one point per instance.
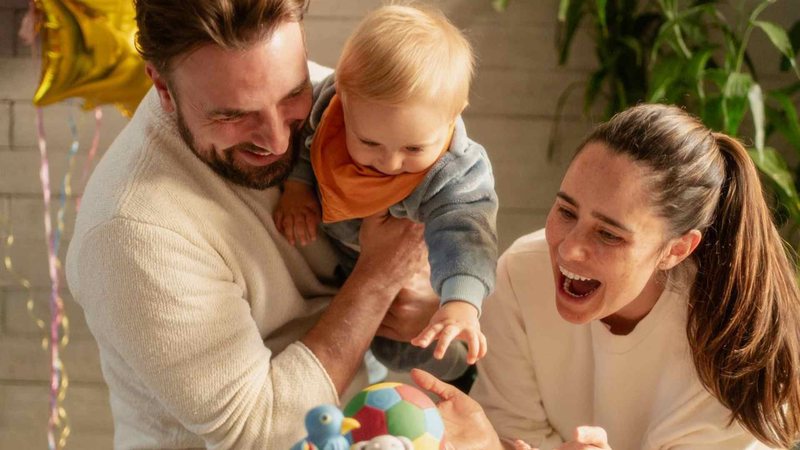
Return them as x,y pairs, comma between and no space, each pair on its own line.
455,320
298,213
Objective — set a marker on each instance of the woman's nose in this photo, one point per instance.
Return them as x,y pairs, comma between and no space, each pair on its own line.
574,246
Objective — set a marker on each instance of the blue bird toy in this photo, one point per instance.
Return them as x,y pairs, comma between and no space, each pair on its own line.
326,426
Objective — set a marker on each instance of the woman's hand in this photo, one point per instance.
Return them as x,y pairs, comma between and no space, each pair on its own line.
584,438
587,438
466,425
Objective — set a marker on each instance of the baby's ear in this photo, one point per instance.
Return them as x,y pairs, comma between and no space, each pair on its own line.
466,103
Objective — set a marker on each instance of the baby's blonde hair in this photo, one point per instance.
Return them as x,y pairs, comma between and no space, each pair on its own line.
407,52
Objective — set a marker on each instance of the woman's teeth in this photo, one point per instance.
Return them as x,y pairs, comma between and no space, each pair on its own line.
587,285
571,275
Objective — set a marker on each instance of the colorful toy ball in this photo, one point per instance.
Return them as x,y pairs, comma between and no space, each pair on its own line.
396,409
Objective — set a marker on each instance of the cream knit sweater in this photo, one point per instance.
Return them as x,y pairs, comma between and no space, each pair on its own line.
195,300
544,376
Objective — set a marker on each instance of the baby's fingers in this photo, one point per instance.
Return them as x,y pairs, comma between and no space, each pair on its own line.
312,220
426,336
484,345
445,338
300,228
288,228
474,346
277,217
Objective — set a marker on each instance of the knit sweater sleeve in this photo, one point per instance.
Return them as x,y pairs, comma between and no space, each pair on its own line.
458,205
506,386
173,311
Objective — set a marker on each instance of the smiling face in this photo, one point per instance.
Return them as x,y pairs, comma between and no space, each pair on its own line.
407,138
237,109
606,243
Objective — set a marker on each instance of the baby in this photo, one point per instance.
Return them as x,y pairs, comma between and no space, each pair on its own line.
385,133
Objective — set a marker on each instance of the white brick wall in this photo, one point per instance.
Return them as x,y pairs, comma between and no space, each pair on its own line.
511,113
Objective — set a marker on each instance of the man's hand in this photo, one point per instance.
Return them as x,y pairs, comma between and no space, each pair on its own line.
412,308
392,250
454,320
466,424
298,213
391,253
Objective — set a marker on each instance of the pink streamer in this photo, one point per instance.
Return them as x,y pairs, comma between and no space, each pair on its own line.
56,303
54,425
87,166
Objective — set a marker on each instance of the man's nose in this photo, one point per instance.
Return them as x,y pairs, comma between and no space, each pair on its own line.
273,133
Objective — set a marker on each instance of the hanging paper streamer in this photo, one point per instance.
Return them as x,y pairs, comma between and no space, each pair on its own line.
8,243
58,427
88,52
66,183
87,166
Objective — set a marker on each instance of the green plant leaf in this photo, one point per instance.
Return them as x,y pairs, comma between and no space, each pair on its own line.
756,99
717,76
664,74
774,167
554,129
567,26
601,15
780,40
563,7
734,103
635,45
794,38
695,71
593,88
500,5
712,112
662,38
785,119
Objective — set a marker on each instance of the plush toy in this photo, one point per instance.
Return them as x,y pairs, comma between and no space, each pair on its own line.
326,426
396,409
385,442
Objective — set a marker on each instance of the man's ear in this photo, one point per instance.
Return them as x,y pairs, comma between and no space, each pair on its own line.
679,249
160,82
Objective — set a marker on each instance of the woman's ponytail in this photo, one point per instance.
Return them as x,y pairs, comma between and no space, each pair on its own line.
743,312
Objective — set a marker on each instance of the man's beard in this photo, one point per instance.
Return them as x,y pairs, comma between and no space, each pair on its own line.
252,177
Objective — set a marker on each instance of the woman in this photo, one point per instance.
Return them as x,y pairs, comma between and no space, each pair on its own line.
676,314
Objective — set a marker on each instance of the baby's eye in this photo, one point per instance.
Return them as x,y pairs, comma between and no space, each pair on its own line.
369,143
415,149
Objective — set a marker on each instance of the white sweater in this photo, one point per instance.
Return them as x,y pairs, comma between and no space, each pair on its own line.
544,376
195,300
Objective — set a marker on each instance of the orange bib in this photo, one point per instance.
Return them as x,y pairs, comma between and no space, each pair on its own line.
347,189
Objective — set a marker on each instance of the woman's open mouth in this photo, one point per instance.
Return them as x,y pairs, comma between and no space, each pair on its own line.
577,286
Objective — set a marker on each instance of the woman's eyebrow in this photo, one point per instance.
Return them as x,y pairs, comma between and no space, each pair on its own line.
613,222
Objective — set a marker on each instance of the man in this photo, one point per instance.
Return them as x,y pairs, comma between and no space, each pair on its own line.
213,331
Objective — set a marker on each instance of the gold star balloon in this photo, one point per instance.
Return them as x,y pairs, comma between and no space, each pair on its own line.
88,52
